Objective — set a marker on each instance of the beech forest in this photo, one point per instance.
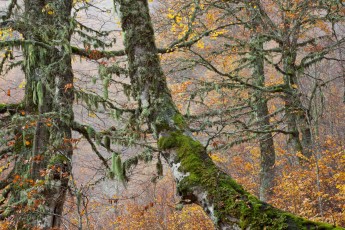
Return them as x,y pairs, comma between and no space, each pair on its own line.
172,114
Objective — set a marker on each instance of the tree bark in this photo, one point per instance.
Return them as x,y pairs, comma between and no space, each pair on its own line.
47,72
267,151
197,177
295,115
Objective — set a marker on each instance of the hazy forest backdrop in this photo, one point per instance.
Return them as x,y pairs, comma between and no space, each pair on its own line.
99,129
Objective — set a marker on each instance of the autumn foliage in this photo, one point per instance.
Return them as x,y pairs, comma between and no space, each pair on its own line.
208,57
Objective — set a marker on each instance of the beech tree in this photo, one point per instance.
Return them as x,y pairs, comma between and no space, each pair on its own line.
198,178
293,31
267,151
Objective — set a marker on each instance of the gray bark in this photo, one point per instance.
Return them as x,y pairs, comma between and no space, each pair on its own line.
295,115
267,151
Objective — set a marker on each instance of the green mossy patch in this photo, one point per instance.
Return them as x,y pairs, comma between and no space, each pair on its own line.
179,121
228,197
18,146
165,111
2,106
58,159
9,107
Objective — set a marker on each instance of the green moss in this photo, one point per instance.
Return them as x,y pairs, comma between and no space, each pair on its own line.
169,142
179,121
18,146
5,107
195,160
166,111
58,159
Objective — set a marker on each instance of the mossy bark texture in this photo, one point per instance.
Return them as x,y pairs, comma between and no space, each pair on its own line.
198,178
47,73
295,114
267,151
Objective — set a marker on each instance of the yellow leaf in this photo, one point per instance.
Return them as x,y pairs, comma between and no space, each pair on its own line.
91,114
200,44
22,84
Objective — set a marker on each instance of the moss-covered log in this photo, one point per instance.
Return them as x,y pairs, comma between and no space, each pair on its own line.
198,178
226,202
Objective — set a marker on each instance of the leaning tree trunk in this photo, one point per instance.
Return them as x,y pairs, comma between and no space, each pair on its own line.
267,151
44,145
198,178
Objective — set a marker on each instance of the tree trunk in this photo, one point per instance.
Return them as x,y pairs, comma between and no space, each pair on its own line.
296,117
197,177
267,151
47,72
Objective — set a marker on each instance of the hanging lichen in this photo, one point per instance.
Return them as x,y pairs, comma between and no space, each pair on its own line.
107,142
117,168
39,91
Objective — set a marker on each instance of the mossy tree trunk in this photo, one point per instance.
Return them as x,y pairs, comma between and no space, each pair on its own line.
267,151
198,178
48,105
296,117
